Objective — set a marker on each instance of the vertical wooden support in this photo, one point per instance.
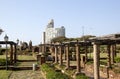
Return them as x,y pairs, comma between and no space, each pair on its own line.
78,59
96,51
112,54
67,57
56,56
11,53
86,57
109,56
60,58
65,52
115,53
15,54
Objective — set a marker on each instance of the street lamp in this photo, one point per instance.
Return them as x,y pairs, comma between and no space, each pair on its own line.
6,40
17,41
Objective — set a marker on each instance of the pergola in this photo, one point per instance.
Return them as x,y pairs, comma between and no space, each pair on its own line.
110,41
13,50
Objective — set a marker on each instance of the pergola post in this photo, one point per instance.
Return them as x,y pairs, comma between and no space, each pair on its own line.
86,57
112,54
60,58
67,57
15,55
109,56
115,53
56,56
96,51
11,53
78,59
64,52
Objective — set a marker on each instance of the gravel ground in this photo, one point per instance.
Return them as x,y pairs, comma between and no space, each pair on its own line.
26,74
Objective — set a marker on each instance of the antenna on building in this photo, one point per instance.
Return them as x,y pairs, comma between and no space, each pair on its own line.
83,33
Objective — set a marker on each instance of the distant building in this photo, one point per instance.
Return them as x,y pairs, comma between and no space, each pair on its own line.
51,32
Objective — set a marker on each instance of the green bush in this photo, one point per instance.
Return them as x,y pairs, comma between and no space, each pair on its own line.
3,62
117,59
81,76
51,73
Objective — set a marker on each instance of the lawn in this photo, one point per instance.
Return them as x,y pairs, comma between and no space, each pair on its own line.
2,56
4,74
25,57
20,57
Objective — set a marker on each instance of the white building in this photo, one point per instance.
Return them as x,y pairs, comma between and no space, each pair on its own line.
51,32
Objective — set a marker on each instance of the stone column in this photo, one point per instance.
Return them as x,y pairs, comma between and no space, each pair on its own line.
78,58
11,53
60,58
96,51
109,56
67,57
112,54
56,56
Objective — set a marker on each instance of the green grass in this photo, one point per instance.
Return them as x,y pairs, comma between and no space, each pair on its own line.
4,74
20,57
2,57
25,57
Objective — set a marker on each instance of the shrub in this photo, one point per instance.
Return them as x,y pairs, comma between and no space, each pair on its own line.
81,76
3,62
51,73
117,59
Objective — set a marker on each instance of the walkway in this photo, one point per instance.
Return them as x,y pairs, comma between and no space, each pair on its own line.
24,69
26,74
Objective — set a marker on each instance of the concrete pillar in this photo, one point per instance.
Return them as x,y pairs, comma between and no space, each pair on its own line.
96,51
112,54
67,57
78,59
56,56
60,58
109,56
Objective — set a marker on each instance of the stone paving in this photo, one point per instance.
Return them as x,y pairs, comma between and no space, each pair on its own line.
26,74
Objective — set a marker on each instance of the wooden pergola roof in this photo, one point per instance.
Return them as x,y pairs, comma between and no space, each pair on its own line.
8,42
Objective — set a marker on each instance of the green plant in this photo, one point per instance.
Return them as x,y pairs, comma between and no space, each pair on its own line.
51,73
4,74
103,62
81,76
117,59
3,62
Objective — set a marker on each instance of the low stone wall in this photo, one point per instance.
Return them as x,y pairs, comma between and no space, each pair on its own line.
89,71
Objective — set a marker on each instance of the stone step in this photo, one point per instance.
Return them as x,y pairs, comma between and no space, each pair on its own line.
18,68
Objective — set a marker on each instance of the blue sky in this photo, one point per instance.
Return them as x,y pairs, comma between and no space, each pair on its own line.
27,19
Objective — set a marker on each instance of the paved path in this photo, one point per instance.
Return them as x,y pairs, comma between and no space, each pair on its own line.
26,74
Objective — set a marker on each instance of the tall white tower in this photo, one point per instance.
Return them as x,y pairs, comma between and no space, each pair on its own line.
51,32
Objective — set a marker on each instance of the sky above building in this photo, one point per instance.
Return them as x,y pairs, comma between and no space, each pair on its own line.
27,19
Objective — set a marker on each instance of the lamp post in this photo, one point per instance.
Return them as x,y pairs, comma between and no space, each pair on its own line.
6,40
17,41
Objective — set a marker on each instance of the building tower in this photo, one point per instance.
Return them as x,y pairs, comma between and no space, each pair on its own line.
51,32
